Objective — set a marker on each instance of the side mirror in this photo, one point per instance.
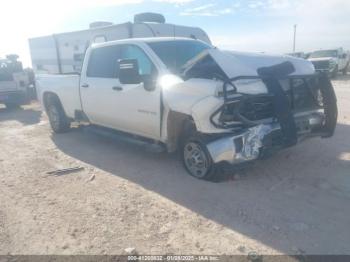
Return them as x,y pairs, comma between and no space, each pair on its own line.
149,83
129,71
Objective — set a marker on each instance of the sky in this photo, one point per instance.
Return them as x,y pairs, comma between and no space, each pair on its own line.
243,25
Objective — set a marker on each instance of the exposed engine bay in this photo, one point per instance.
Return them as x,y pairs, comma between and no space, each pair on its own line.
270,109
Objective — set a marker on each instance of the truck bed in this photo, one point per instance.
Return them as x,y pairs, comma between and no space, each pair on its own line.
66,87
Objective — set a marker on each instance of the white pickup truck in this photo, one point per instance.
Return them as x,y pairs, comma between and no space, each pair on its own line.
213,106
331,61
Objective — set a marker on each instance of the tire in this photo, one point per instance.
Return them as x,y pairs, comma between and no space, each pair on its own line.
197,160
58,120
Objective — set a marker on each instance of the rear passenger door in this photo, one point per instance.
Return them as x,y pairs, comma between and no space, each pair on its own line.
97,85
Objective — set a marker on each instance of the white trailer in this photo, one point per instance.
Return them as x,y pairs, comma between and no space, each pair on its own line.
64,53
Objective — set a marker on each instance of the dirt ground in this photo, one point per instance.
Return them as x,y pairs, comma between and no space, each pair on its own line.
128,197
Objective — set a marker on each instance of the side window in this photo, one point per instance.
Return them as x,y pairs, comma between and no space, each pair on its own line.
146,66
103,62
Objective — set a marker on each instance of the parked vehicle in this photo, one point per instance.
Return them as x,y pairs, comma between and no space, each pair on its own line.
331,61
214,106
15,84
64,53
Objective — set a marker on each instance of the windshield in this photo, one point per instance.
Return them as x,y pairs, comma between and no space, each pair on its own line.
176,53
324,53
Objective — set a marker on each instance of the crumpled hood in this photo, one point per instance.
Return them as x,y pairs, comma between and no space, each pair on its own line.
200,96
246,64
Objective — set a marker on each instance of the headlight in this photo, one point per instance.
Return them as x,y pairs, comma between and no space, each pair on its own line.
251,86
168,81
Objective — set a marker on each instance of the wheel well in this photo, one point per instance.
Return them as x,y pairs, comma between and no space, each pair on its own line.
178,126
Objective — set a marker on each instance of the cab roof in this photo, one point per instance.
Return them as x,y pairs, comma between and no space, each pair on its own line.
142,40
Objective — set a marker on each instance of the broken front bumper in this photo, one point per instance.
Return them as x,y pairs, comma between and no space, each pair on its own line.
287,129
254,142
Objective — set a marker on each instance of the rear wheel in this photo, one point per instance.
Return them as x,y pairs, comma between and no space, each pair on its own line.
58,120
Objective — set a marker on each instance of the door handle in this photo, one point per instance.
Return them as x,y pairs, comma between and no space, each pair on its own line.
117,88
85,85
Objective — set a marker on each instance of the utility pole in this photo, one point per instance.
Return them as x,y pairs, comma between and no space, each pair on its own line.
295,33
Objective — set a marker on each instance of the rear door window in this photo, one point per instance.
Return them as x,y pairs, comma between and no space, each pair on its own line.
103,62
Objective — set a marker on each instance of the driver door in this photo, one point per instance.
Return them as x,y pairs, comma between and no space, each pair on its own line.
140,107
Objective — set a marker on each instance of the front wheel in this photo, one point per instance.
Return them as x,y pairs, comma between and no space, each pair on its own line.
197,159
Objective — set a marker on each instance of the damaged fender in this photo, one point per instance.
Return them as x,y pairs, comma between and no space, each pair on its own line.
196,98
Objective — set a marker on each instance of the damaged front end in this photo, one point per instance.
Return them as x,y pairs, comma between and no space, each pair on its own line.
293,108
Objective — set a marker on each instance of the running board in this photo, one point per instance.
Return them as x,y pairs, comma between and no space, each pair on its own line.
147,144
